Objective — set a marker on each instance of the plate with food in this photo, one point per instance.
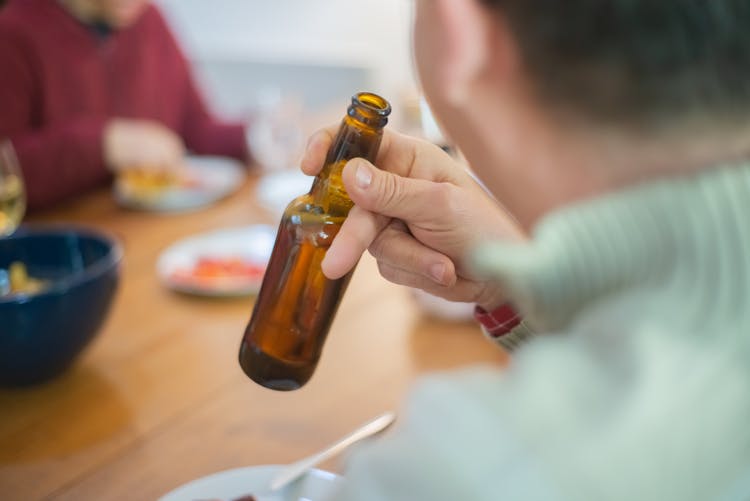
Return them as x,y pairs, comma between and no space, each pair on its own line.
202,181
228,262
251,484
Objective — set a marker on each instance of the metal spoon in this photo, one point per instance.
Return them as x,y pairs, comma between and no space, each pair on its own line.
294,470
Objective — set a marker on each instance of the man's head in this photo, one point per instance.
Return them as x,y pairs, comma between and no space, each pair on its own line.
636,60
115,13
547,72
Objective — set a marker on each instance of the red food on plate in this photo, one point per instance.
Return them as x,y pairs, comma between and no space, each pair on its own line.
211,271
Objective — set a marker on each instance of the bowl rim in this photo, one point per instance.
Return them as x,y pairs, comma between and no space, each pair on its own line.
111,259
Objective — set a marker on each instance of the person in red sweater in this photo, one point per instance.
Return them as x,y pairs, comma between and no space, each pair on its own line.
92,87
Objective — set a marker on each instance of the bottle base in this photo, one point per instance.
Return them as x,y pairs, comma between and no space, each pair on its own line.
272,373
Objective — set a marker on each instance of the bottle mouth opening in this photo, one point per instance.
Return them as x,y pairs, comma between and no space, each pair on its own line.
372,102
370,109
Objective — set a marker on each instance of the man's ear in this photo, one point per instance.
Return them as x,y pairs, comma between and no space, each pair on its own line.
476,42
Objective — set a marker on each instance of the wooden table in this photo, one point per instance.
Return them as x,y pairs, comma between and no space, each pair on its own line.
158,399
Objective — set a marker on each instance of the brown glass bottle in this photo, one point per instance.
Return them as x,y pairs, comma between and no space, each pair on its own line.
297,303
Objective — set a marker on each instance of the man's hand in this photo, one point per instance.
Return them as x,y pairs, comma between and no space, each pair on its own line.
419,216
141,144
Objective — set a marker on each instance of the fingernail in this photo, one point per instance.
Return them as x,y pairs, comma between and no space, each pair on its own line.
363,176
437,272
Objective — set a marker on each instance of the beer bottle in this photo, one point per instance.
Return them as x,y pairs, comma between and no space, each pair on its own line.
296,304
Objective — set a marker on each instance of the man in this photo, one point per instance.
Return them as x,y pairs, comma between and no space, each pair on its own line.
92,87
615,135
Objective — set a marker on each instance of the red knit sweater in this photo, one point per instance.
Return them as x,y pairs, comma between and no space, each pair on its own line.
60,83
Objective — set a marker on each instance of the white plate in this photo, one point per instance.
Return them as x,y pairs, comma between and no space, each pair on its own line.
251,244
316,485
212,178
276,189
443,309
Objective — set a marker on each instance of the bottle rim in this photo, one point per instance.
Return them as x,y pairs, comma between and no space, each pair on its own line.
370,109
373,102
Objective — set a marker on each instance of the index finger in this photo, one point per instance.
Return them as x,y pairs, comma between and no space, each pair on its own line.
315,152
356,234
398,153
320,142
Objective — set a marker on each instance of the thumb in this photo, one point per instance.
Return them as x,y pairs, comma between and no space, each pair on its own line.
391,195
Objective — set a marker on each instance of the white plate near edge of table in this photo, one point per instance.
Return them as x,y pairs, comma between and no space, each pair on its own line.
215,178
315,485
276,189
253,244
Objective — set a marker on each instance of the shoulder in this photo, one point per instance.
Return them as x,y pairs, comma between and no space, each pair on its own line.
153,26
152,19
28,15
17,26
22,22
453,441
17,18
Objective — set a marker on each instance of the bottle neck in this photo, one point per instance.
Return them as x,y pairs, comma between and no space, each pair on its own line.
354,139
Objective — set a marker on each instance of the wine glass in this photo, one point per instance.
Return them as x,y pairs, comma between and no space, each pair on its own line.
12,193
275,136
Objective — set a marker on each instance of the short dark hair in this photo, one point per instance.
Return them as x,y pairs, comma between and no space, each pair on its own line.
640,60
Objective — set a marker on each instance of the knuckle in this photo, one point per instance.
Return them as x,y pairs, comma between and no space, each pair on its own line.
390,243
414,259
391,191
453,200
395,275
446,195
388,272
378,247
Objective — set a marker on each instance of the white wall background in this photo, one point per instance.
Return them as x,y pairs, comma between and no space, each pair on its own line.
321,50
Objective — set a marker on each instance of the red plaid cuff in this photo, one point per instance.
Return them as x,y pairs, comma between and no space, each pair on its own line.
499,321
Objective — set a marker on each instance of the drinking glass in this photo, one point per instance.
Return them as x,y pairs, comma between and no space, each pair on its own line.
275,136
12,193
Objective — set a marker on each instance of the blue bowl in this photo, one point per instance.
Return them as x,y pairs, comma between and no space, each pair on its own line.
42,334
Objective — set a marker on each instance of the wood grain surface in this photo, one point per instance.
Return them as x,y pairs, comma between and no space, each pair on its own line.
159,399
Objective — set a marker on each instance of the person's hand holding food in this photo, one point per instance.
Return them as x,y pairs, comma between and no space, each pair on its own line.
141,144
145,155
